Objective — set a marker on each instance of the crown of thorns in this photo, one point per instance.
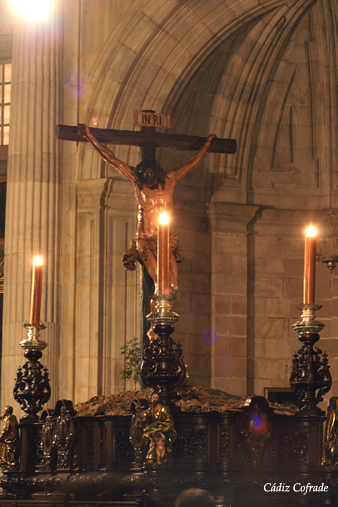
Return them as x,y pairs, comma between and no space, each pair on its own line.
140,174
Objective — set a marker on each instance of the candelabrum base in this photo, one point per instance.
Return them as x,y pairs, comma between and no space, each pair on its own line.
32,389
162,365
310,369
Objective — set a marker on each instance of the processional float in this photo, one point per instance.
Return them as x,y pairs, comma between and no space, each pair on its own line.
68,458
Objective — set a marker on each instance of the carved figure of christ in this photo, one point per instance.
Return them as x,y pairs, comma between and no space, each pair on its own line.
154,191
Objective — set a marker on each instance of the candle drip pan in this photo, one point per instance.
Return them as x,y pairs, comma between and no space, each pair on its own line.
163,313
308,322
33,342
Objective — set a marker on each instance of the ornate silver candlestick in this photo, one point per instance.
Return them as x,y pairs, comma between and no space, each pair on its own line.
162,365
32,389
310,370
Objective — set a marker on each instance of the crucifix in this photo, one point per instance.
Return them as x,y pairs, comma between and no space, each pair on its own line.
154,188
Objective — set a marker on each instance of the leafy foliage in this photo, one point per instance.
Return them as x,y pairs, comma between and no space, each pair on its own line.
132,360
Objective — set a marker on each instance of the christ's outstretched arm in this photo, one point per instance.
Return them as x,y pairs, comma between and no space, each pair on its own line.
105,153
194,160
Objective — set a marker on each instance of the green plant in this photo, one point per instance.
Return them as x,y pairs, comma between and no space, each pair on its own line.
132,360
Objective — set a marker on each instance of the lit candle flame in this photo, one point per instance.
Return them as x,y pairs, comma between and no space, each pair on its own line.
310,231
38,261
164,219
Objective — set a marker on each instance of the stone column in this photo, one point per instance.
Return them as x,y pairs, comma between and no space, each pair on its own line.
229,282
106,311
32,214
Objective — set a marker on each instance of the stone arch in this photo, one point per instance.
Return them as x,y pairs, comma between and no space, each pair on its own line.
149,60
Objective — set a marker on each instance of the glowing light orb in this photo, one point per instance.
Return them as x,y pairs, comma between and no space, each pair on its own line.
258,423
37,261
164,219
211,336
75,86
32,10
310,231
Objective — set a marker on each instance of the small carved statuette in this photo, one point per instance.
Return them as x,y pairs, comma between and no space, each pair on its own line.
330,448
9,441
158,430
136,430
63,437
48,450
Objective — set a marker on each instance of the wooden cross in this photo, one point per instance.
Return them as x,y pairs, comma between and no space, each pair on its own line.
148,140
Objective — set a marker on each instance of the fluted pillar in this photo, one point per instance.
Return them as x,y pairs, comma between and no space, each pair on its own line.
32,214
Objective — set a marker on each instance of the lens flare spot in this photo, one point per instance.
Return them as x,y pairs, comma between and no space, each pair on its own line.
211,336
258,423
76,86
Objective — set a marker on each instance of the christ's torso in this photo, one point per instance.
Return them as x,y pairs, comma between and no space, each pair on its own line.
151,204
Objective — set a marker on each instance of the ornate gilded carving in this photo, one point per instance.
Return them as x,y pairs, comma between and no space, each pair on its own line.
63,438
295,445
159,431
102,446
57,436
136,431
224,443
34,454
46,444
89,444
192,443
9,440
123,447
330,455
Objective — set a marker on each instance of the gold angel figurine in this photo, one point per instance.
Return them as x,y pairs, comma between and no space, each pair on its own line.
159,431
9,440
330,448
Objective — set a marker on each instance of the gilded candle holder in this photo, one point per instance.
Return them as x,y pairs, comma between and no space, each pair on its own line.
310,368
163,313
32,389
162,366
308,322
33,342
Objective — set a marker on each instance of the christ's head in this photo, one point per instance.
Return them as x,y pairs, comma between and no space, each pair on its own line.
149,173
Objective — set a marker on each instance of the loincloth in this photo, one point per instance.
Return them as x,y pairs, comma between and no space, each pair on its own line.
131,256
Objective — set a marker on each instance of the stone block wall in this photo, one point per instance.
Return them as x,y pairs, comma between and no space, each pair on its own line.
229,284
275,287
194,295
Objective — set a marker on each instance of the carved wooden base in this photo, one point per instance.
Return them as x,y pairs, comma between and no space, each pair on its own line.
310,378
231,454
32,389
162,365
